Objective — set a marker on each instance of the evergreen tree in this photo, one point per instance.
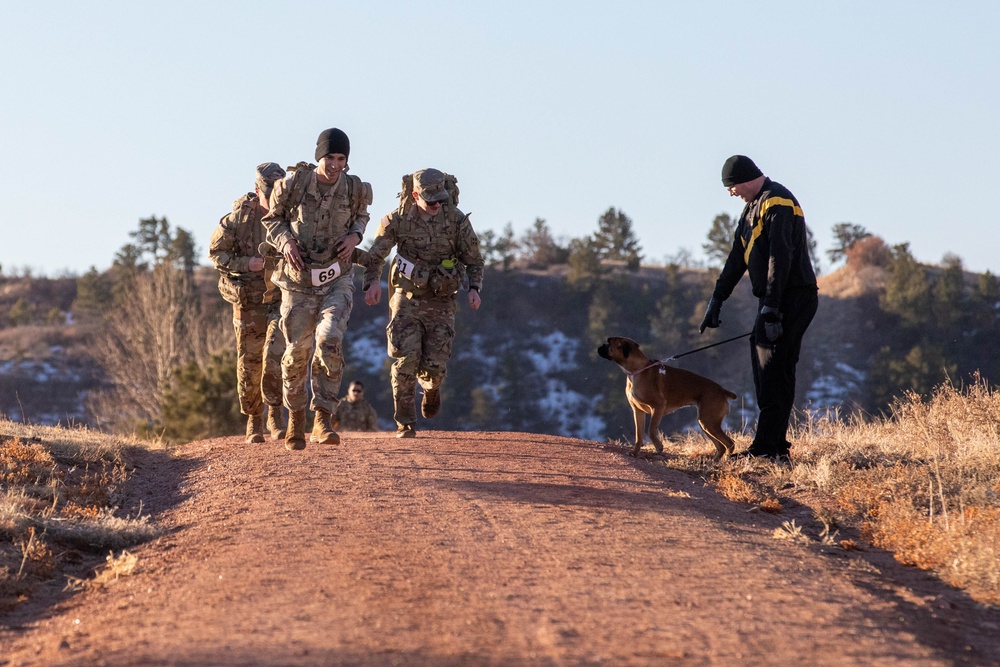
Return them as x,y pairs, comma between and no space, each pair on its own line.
670,321
845,235
94,294
202,402
538,247
584,263
950,297
499,247
720,240
521,389
907,289
615,239
22,313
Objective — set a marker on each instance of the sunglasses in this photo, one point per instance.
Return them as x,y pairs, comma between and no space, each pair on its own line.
432,203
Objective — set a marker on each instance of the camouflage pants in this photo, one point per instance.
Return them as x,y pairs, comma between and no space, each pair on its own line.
420,334
315,324
259,344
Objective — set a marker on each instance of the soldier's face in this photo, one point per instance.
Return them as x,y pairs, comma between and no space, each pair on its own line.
430,208
330,167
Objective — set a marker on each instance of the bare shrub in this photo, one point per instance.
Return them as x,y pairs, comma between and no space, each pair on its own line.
157,328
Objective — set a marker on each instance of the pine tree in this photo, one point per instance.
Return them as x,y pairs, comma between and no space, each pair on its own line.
845,235
538,247
615,239
720,239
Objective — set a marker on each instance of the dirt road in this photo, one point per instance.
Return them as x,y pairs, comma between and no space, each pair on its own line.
482,549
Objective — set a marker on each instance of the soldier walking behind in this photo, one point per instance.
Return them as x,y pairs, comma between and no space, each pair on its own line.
259,342
318,216
436,247
354,412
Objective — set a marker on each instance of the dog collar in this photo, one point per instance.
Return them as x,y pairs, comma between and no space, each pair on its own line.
644,368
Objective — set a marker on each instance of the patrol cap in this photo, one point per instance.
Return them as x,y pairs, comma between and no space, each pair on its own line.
332,140
429,184
739,169
267,174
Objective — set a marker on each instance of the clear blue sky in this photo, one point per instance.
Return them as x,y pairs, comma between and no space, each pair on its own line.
883,114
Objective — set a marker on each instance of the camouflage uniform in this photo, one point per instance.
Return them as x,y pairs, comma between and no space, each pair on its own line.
315,305
259,342
356,415
422,306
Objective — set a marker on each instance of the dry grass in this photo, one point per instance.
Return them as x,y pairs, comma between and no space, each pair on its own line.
61,489
923,482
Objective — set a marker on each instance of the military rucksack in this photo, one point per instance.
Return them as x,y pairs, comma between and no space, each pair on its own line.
359,192
406,192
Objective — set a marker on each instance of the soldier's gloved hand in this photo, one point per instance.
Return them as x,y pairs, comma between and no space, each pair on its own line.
768,325
711,319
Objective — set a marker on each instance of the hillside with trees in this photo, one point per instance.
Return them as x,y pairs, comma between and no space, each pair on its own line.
147,345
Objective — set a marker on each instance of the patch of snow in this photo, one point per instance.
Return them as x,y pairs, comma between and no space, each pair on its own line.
573,411
557,354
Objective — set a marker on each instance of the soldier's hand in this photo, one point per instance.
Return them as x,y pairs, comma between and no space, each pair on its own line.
256,264
345,246
373,294
474,300
293,256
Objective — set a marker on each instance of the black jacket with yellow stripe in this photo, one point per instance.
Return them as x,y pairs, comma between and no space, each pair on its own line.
771,245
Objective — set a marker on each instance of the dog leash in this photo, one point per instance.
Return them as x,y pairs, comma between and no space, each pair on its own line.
721,342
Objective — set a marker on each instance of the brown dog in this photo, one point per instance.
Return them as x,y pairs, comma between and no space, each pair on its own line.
655,389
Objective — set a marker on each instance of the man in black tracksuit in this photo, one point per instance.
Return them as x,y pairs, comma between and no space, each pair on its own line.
771,245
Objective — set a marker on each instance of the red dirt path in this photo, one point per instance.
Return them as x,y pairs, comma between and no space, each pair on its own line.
481,549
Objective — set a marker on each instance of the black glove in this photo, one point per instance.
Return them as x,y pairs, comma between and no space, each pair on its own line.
768,326
711,319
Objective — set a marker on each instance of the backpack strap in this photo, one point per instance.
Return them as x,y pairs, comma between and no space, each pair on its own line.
301,174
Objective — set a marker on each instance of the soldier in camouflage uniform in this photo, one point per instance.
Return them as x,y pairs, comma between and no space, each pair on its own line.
355,413
318,215
259,342
436,247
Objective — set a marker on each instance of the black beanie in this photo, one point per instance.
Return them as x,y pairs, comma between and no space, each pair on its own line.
332,141
739,169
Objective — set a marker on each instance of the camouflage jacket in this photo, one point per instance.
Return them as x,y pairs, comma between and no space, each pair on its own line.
315,223
236,240
356,416
433,257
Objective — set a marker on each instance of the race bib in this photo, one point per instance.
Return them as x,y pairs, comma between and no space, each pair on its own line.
325,275
405,267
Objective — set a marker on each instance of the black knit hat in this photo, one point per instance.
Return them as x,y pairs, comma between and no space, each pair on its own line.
332,141
739,169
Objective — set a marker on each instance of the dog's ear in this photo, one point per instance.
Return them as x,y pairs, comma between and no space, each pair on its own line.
626,349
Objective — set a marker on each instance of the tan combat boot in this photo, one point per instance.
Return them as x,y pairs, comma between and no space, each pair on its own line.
295,437
323,432
255,429
430,404
406,431
275,422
